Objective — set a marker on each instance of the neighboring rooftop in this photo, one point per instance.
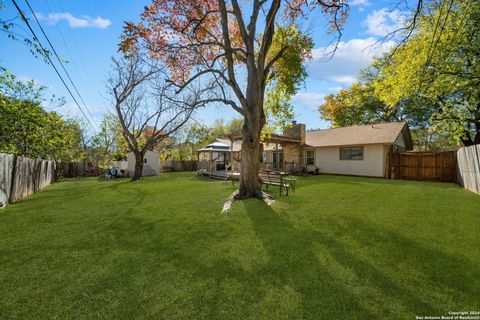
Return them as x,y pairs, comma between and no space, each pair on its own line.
380,133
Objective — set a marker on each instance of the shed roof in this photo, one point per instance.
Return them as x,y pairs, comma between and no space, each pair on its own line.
380,133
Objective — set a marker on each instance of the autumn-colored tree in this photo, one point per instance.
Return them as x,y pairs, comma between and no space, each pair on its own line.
214,41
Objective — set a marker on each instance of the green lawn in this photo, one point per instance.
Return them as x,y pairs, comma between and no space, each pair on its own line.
340,248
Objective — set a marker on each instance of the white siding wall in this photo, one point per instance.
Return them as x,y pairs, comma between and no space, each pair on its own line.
327,159
150,168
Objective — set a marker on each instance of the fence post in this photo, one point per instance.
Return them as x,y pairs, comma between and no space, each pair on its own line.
418,167
399,175
12,179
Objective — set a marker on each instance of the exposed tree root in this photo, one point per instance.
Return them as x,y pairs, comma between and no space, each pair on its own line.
268,199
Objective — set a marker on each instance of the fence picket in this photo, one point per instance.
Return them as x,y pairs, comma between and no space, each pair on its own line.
469,168
21,177
424,166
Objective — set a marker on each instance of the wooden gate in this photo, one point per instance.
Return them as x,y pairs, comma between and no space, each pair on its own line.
438,166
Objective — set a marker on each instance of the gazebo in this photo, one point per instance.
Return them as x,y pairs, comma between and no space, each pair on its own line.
215,158
279,152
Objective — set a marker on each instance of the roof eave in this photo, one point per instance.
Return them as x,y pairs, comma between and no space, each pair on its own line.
350,144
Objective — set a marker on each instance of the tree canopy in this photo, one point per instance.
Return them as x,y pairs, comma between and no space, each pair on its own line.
432,79
440,63
361,103
235,48
288,74
27,129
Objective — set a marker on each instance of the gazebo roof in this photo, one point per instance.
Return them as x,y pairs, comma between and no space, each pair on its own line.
219,145
272,138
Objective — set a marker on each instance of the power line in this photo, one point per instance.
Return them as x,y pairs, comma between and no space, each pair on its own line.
58,58
72,61
76,47
51,62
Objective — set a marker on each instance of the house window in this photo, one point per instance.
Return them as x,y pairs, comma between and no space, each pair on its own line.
310,157
351,153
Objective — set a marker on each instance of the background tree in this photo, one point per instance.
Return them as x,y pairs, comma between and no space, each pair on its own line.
428,140
195,136
27,129
287,75
360,104
9,26
107,145
214,41
144,100
440,63
355,106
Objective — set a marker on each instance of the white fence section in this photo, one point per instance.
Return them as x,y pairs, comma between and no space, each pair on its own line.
21,177
468,162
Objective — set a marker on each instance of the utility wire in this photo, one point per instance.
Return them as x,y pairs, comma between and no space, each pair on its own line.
75,66
51,62
58,58
76,46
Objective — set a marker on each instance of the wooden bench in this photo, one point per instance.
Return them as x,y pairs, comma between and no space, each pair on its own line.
274,179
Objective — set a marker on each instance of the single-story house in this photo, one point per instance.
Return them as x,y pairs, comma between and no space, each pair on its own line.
356,150
151,163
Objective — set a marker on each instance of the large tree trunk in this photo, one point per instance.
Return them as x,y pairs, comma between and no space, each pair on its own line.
137,175
253,123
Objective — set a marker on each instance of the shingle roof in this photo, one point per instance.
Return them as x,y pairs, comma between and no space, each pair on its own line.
380,133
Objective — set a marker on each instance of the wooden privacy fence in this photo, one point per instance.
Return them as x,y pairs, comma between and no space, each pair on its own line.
468,174
178,165
423,166
74,169
21,177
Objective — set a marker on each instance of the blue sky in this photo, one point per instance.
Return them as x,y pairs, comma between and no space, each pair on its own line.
86,33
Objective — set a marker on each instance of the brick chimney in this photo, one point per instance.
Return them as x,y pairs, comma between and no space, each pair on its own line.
296,131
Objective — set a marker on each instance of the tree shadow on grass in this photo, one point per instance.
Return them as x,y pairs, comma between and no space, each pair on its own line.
209,282
335,280
420,278
294,262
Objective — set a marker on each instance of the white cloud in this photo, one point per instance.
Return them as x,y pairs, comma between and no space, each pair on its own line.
309,100
76,22
345,80
384,21
359,3
27,78
349,58
335,89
